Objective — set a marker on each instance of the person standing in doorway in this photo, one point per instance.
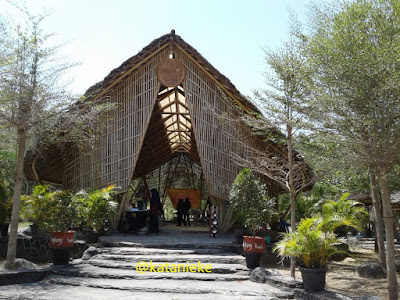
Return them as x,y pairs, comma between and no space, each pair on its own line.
186,211
179,209
155,208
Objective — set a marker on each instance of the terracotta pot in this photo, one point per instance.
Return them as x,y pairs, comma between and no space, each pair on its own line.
254,244
62,239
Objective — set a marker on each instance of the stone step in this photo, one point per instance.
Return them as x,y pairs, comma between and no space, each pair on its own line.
218,268
285,281
155,251
176,258
181,286
226,247
51,292
95,271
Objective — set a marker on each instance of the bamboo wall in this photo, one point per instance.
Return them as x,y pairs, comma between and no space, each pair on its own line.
218,133
217,127
114,154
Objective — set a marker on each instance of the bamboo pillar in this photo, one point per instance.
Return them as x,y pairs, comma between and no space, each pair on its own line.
120,210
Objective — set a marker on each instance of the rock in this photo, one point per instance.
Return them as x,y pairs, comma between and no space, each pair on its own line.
353,242
21,263
370,298
343,252
371,270
349,260
89,252
273,273
259,275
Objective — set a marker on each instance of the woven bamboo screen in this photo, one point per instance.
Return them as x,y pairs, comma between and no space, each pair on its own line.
113,156
215,119
218,130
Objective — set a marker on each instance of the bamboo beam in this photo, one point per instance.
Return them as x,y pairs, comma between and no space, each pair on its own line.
120,210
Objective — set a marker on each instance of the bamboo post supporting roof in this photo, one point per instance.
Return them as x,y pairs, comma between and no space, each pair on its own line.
152,124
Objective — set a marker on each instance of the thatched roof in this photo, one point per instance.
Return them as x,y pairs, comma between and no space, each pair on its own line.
135,61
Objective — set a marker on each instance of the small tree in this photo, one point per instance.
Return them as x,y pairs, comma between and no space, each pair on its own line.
284,103
34,102
249,197
354,51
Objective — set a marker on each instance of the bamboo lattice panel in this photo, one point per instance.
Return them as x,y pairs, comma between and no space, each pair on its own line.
114,155
218,131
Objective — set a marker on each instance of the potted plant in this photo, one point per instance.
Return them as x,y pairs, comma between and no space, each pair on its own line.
57,213
248,196
97,210
314,247
31,209
315,241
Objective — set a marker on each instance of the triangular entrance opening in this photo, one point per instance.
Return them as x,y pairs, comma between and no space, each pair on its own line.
169,157
170,132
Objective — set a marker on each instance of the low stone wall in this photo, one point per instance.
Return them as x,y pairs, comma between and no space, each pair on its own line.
38,250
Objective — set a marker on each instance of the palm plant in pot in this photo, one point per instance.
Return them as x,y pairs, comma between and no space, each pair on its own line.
96,209
315,241
56,213
249,197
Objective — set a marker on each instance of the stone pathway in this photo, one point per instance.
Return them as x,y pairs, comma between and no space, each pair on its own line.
115,273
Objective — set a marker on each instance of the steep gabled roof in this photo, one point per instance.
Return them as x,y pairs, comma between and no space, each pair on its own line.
147,52
159,145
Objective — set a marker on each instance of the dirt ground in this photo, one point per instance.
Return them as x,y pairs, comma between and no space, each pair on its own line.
341,276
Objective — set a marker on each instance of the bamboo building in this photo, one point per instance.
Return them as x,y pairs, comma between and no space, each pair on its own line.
176,124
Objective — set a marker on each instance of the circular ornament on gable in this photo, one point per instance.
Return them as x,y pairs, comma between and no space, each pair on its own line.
171,72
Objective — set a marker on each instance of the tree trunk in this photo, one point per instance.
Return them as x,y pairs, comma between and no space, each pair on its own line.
292,195
379,225
19,177
388,219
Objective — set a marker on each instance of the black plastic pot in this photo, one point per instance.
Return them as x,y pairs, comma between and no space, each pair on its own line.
36,232
4,229
61,256
253,260
91,237
313,279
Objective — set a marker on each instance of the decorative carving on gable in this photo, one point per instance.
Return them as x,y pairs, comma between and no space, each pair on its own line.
171,72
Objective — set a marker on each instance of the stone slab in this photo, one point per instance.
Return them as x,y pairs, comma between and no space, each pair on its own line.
237,288
50,291
8,277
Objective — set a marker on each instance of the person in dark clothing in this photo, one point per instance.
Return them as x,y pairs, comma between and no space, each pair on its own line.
155,207
283,225
186,207
179,209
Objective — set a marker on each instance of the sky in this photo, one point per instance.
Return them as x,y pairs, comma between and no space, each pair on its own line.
230,34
